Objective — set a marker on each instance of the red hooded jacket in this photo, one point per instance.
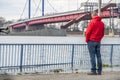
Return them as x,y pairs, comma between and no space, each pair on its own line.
95,29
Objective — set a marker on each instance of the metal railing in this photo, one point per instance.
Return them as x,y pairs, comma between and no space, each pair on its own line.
47,58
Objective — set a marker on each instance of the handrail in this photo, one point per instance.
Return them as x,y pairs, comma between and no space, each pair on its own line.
15,58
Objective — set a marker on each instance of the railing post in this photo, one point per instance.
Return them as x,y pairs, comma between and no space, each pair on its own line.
111,56
21,57
72,60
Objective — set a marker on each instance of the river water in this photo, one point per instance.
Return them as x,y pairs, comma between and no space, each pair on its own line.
76,39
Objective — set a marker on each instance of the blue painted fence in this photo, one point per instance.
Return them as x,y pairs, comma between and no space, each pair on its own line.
46,58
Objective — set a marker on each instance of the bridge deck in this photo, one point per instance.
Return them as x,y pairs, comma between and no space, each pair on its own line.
73,17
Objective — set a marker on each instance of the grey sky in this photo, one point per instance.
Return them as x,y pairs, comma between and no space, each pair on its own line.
12,9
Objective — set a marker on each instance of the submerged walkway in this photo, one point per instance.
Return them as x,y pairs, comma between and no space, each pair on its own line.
63,76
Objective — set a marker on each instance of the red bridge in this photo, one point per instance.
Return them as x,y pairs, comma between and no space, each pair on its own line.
69,17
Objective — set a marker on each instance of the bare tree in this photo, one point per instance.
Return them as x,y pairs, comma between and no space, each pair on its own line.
2,21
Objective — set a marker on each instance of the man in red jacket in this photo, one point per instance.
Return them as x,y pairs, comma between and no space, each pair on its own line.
94,34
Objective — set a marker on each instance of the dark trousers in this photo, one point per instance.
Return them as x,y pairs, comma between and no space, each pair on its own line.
94,51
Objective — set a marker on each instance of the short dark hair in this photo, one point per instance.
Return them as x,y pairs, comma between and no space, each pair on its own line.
94,13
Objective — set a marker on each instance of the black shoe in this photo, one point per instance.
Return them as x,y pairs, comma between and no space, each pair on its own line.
92,73
99,73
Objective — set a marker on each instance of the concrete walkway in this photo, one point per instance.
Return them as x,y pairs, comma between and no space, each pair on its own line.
65,76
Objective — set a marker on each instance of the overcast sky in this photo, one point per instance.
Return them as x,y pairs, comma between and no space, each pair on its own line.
12,9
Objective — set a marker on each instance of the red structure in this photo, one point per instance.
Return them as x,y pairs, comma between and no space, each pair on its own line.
70,17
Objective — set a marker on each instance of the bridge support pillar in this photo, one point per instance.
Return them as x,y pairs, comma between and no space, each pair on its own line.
111,29
27,28
111,32
84,31
11,29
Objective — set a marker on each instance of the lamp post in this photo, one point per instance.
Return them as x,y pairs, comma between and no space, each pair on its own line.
99,7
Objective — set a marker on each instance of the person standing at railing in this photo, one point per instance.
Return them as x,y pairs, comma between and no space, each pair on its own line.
94,34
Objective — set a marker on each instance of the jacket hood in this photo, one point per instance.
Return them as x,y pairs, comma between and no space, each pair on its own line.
97,18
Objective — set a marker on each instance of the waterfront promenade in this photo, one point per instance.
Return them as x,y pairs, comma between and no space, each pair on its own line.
63,76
